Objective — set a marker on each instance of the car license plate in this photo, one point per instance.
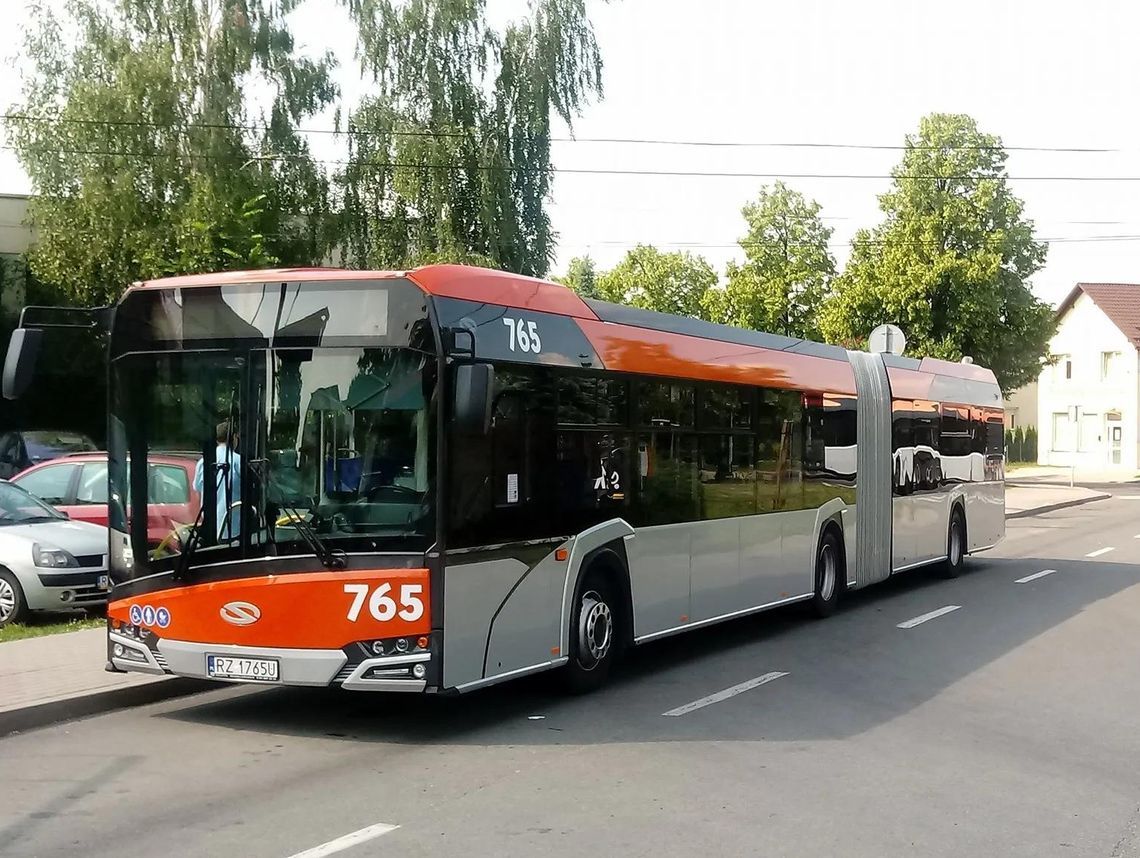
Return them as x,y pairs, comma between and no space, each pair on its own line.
104,582
251,669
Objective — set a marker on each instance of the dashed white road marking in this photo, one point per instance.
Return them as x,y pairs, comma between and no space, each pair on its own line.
1100,551
349,840
1034,576
1137,536
724,695
918,621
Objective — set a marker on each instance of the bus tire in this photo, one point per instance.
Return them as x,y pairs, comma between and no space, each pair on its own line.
955,544
13,603
595,634
829,576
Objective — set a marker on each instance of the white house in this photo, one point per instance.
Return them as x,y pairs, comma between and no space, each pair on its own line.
1087,401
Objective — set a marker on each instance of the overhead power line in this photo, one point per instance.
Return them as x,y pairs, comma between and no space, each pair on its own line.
603,171
1078,239
460,133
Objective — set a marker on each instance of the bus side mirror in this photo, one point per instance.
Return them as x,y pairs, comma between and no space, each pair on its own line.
473,385
20,364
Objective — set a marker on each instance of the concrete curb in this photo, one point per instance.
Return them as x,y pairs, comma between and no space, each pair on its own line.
1053,507
68,709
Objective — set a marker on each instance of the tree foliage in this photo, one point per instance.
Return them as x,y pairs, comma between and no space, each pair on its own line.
450,152
581,276
666,282
787,271
951,262
145,154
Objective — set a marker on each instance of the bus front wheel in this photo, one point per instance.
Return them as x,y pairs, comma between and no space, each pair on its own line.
594,633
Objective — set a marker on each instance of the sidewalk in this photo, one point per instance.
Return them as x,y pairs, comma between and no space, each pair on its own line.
1045,474
1036,498
59,677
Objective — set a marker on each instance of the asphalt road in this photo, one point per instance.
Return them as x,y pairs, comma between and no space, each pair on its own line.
1009,725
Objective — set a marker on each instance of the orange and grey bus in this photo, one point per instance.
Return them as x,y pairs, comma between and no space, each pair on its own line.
445,478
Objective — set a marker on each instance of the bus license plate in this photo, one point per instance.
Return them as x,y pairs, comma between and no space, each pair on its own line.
252,669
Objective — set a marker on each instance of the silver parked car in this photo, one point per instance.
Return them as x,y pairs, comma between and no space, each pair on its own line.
47,561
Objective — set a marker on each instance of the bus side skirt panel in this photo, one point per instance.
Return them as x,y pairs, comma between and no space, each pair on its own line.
479,585
525,630
873,513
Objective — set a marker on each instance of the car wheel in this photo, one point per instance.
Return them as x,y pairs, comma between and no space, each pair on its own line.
13,605
828,575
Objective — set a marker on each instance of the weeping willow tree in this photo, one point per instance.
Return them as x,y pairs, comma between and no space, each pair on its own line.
145,153
449,153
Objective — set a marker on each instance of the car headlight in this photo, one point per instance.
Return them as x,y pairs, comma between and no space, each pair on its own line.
52,558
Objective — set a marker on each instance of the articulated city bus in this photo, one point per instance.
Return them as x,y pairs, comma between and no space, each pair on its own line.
449,477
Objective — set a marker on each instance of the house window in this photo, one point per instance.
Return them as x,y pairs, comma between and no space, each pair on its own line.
1012,421
1063,432
1090,439
1108,363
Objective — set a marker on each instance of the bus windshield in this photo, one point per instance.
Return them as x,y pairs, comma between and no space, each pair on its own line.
340,438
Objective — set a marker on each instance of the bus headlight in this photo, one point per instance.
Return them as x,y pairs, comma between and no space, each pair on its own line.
419,671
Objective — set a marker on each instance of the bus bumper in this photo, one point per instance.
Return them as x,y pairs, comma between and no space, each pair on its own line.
305,667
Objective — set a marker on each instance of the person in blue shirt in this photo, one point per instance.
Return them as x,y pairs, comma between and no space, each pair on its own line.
227,463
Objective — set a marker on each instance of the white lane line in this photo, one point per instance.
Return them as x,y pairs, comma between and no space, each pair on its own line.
918,621
347,841
1137,536
1034,576
1100,551
724,695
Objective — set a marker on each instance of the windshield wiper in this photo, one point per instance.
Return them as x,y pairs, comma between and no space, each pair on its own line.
330,558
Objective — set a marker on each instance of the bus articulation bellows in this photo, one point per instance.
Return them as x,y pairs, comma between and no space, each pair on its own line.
448,477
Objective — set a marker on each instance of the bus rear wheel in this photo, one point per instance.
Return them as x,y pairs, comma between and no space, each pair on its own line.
955,545
829,576
594,634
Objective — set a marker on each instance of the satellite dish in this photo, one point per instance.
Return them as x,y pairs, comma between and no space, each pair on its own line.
887,338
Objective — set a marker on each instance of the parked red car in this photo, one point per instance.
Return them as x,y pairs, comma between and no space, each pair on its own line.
77,485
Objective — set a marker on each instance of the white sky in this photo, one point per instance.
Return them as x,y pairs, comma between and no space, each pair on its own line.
1038,73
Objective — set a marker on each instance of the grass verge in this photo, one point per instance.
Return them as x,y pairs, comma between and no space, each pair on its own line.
49,626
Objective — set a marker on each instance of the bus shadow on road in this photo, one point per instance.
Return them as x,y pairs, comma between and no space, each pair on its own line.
847,674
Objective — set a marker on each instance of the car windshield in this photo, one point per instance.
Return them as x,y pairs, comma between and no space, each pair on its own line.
43,445
19,507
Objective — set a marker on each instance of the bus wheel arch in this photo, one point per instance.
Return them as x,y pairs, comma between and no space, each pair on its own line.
601,618
830,569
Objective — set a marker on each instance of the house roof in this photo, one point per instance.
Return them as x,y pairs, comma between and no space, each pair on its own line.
1119,301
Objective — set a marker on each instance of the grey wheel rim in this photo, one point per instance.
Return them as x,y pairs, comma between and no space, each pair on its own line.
595,630
829,569
955,543
7,601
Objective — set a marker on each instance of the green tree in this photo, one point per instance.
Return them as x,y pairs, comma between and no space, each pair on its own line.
582,277
951,262
449,154
787,272
666,282
144,153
